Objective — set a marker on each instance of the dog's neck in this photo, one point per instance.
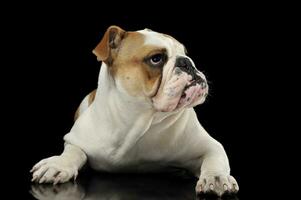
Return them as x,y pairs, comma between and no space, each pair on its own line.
127,116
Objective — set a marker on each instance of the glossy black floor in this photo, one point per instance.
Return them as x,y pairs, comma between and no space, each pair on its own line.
123,186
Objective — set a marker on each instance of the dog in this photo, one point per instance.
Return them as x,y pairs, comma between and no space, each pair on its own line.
141,117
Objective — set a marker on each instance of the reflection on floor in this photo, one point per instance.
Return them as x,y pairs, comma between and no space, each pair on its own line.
121,187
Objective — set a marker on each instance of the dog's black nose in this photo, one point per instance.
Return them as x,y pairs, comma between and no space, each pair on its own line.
183,62
185,65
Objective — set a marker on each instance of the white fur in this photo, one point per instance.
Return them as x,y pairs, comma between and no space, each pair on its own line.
154,38
120,133
83,105
157,39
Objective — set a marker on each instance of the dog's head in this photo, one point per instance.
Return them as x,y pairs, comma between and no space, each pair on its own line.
152,66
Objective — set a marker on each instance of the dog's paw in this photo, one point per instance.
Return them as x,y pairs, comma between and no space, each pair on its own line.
56,169
216,184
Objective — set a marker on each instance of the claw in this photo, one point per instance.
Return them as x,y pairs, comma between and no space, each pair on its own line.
75,176
56,180
37,166
42,179
34,178
235,186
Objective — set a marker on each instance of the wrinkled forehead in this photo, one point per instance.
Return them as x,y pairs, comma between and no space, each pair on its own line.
159,40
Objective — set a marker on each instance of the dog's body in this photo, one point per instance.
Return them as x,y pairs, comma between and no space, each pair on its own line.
140,118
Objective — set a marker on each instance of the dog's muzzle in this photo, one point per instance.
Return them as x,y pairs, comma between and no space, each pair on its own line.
185,87
196,90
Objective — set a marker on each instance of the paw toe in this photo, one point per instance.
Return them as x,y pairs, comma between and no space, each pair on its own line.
234,184
62,177
38,174
50,175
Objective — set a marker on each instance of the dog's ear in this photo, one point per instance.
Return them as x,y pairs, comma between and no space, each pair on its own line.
110,41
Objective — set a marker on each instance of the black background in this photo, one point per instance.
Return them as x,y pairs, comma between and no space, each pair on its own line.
52,68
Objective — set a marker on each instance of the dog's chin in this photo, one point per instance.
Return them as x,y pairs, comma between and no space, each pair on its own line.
192,96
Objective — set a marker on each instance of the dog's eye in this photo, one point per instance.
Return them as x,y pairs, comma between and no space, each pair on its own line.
156,59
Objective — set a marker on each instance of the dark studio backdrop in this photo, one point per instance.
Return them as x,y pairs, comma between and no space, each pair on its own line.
54,68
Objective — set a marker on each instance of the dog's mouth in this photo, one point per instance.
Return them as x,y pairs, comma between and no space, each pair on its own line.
181,89
195,91
194,82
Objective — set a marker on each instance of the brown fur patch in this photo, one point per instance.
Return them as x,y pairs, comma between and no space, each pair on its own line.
137,77
91,97
76,115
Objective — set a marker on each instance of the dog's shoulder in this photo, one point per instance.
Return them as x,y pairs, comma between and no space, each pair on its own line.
88,100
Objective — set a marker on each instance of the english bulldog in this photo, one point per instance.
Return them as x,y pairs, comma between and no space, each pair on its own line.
141,117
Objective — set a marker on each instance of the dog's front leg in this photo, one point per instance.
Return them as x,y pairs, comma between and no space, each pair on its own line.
59,169
215,172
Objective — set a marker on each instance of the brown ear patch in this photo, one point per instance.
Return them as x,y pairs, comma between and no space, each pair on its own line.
110,41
